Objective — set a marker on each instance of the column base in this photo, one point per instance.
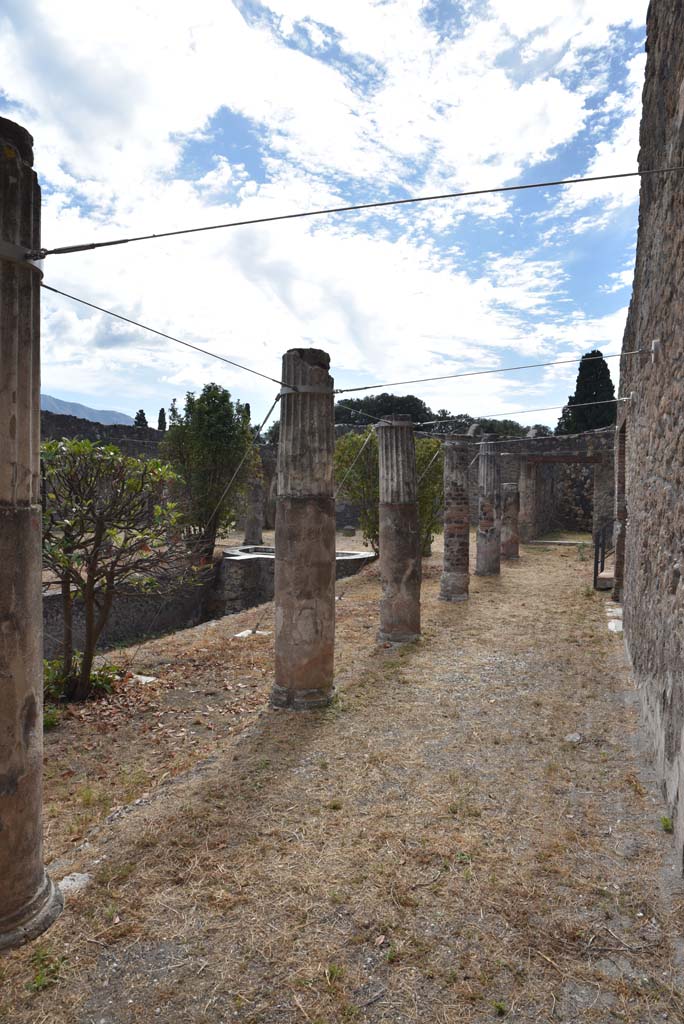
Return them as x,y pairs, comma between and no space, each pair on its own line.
305,700
454,586
397,638
35,919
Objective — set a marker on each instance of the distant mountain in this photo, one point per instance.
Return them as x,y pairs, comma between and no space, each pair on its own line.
50,404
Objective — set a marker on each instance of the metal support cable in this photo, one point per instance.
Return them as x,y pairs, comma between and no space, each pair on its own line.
42,253
242,461
425,471
480,373
356,459
169,337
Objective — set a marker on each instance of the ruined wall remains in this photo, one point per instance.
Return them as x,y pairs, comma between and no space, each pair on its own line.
141,442
574,497
562,495
651,516
237,583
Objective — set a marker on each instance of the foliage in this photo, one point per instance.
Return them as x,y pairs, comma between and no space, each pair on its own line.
430,473
360,484
382,405
206,444
357,411
594,384
50,717
359,479
272,434
140,419
47,969
161,420
55,683
106,525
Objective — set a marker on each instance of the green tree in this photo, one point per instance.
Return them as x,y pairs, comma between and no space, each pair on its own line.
140,419
377,406
356,474
161,420
105,525
208,444
594,384
430,474
272,433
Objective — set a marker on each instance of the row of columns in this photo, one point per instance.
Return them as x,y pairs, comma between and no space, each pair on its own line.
305,542
305,529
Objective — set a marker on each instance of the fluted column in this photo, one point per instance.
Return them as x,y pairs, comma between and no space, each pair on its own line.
488,561
305,535
29,902
510,532
455,575
400,561
527,485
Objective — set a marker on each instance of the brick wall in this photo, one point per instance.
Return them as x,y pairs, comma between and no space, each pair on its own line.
651,514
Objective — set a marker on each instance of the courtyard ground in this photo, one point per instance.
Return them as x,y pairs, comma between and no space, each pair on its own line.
470,832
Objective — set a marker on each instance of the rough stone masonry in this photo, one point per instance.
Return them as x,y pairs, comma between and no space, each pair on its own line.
650,434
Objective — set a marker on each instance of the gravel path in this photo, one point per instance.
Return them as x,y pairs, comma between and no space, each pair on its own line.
469,833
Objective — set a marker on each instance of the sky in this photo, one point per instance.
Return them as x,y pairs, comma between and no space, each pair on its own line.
151,116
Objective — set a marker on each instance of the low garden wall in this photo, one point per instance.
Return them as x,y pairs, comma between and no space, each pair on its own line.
243,578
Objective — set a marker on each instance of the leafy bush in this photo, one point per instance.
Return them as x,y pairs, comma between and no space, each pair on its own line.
356,473
55,682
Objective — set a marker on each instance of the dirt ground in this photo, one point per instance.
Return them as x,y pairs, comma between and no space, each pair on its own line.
470,832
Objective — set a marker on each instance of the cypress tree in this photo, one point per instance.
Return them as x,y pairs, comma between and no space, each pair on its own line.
593,385
161,422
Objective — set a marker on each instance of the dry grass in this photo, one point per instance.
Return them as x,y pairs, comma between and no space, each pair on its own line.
429,848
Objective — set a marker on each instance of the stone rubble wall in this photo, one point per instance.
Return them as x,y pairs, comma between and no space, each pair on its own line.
234,585
651,530
140,442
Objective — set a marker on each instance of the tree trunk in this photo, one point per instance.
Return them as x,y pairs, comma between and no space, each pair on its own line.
68,632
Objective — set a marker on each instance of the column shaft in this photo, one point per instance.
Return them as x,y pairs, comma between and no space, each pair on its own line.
400,559
305,535
510,528
455,575
29,903
488,561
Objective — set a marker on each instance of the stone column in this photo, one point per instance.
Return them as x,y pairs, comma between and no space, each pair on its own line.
488,561
455,576
305,535
400,560
527,484
510,531
254,520
29,902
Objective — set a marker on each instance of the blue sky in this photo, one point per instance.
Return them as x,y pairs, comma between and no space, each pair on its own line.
163,117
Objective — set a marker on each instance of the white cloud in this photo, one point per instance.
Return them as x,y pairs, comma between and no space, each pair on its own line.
115,101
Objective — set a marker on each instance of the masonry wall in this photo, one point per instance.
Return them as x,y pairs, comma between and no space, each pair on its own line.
141,442
653,591
233,585
133,615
